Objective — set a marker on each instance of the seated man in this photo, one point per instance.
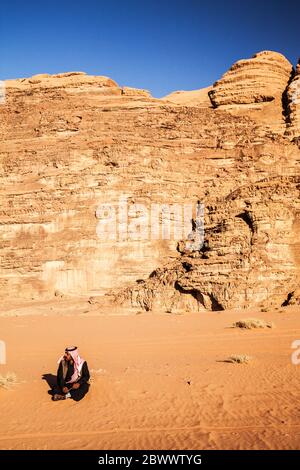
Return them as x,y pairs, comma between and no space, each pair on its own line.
72,376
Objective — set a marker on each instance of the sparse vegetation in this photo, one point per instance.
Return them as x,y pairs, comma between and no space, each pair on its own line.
8,380
251,323
239,359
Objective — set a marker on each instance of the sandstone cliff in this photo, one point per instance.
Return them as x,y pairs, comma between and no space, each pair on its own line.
72,142
260,79
293,98
256,86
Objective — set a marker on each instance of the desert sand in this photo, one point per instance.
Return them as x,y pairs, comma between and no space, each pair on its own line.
159,381
192,97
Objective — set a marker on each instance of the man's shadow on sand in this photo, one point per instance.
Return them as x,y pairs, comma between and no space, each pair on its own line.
51,381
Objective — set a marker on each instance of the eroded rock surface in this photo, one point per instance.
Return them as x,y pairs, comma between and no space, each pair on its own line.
71,143
293,96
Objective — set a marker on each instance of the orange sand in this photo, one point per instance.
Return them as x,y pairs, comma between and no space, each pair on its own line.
158,381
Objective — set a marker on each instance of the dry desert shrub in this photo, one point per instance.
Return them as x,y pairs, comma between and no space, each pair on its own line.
239,359
251,323
8,380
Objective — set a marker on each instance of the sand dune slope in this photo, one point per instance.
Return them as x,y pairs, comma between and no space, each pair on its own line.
158,382
191,97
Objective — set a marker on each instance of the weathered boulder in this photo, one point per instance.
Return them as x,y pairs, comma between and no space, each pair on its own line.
262,78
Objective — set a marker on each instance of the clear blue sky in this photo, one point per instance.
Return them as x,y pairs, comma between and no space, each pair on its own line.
159,45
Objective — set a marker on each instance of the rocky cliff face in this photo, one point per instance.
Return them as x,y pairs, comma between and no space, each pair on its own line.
261,79
257,87
71,143
293,99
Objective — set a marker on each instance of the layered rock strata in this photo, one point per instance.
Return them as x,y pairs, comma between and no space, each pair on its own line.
72,143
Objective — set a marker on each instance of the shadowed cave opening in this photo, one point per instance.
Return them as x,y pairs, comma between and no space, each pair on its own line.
187,266
245,216
287,300
285,100
215,305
